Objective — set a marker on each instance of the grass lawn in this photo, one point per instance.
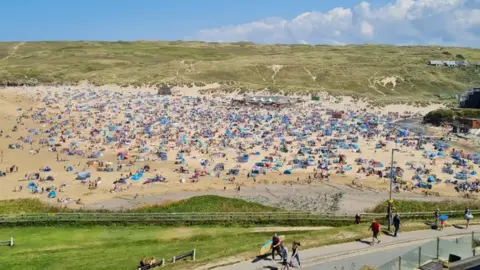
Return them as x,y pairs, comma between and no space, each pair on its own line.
117,247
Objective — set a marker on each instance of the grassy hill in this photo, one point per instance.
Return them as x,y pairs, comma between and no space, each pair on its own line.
205,203
374,71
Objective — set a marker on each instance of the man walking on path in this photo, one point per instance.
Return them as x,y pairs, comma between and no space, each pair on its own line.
436,215
396,224
276,246
375,227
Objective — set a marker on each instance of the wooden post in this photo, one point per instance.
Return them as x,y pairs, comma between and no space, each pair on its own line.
473,239
438,247
194,254
11,241
173,261
163,261
419,256
399,263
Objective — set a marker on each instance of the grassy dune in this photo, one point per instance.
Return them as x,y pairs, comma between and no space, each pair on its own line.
406,206
206,203
358,70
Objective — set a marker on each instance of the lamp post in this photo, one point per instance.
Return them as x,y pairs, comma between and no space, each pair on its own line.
389,210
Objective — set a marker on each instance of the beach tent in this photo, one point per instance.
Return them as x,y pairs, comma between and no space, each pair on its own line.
243,158
233,171
219,167
31,185
162,155
288,172
52,194
83,175
431,179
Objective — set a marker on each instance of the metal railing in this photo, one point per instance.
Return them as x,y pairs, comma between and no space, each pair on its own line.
199,216
439,249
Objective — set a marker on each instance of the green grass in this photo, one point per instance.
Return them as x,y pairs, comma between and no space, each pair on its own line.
17,206
339,70
440,116
406,206
117,247
208,203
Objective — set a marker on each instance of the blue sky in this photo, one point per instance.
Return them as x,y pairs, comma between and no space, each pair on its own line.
404,22
141,19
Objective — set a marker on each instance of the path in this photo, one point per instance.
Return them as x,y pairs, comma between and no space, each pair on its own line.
358,253
13,51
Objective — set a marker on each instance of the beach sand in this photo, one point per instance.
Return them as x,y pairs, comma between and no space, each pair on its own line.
274,188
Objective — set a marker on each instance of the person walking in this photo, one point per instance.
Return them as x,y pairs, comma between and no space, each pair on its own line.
295,247
375,228
396,224
468,216
276,245
436,215
284,257
357,218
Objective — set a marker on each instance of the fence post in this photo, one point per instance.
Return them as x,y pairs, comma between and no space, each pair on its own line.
438,247
163,262
419,256
11,241
194,253
173,261
399,263
473,239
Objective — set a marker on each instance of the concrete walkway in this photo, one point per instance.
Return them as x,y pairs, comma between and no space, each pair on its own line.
322,255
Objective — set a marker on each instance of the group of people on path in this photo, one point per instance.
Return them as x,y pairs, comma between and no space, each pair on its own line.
279,247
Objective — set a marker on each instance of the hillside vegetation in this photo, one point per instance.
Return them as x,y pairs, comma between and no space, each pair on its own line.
441,116
373,71
205,203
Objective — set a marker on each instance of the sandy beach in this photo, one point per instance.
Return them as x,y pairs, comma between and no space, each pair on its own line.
117,148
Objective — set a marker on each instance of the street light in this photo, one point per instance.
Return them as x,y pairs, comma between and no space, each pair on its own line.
390,193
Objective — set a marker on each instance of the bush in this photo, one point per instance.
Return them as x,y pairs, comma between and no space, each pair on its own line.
440,116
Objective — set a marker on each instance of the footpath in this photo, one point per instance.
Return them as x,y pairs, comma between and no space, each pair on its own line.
320,255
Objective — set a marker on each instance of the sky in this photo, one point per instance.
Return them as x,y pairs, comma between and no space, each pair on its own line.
339,22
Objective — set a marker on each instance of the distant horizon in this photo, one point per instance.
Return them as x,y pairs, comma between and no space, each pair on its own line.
249,42
453,23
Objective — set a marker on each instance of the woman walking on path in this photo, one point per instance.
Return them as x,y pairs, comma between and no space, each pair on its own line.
295,247
468,216
375,227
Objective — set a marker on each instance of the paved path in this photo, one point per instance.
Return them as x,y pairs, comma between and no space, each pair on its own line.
360,252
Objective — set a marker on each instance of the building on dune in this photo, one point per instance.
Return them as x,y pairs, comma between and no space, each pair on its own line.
275,101
441,63
165,90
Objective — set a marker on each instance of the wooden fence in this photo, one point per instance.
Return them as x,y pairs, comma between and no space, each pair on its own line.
124,217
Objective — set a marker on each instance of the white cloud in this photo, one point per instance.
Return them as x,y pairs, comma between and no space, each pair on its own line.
367,29
447,22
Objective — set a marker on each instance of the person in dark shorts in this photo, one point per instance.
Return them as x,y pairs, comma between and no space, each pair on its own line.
396,224
275,246
285,264
375,227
